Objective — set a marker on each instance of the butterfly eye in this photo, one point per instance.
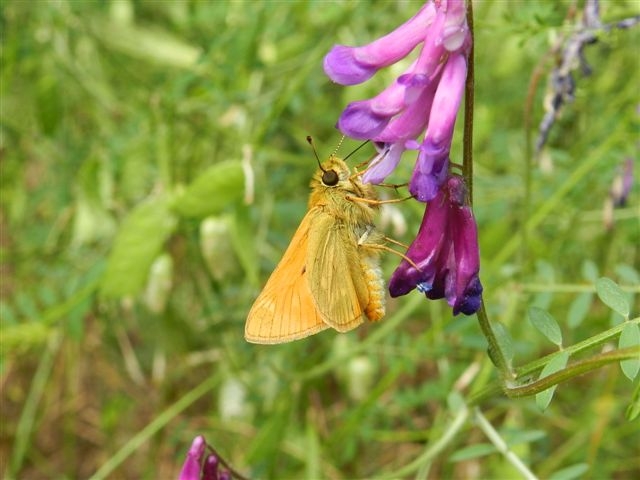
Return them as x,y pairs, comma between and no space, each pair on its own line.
330,178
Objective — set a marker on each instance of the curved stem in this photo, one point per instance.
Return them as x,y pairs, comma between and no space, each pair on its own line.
567,373
575,369
467,171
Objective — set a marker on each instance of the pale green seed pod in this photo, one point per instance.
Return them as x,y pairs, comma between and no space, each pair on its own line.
159,284
216,247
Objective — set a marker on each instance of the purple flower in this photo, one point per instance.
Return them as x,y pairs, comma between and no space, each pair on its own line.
353,65
426,96
445,252
192,465
195,469
210,468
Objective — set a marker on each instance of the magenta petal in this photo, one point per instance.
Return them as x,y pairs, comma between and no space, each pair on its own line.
424,251
210,468
191,468
445,252
341,66
358,121
464,232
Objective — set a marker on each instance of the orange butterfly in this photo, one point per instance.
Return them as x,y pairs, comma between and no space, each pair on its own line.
330,275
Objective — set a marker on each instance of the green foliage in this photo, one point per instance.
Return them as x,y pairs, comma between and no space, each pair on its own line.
131,131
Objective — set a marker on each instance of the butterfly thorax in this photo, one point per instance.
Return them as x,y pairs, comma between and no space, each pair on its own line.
336,190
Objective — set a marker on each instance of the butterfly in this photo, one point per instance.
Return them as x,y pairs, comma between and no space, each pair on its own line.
330,274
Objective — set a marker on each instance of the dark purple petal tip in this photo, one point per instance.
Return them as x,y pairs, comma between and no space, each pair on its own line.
469,302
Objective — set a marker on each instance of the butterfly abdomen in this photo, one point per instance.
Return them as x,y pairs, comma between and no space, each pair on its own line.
370,264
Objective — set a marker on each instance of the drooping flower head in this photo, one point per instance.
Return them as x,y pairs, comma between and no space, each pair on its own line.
424,99
445,252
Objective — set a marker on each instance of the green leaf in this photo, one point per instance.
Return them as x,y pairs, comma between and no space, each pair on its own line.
516,437
569,473
505,342
612,296
590,271
628,274
556,364
473,451
579,309
546,324
630,337
213,191
455,401
137,244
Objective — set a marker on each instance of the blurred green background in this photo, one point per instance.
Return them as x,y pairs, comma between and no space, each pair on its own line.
133,245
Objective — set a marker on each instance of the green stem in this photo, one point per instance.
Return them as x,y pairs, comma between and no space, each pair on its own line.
467,171
467,141
575,369
501,445
151,429
495,352
579,347
29,413
437,447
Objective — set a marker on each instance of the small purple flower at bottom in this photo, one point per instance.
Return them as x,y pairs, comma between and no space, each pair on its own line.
445,251
192,465
195,469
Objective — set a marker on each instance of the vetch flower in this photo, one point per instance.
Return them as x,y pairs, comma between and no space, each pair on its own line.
353,65
426,96
210,468
195,469
193,464
445,251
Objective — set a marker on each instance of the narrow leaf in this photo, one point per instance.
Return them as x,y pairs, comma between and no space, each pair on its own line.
218,187
612,296
569,473
590,271
556,364
630,337
473,451
546,324
579,309
137,244
505,342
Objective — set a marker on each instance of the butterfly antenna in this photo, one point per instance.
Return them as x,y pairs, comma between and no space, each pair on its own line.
339,145
313,147
356,149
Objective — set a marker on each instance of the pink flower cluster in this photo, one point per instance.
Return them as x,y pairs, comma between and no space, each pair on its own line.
425,97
